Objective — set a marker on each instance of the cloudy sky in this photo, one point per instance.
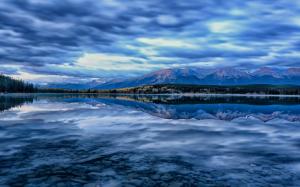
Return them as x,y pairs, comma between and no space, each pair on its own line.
81,40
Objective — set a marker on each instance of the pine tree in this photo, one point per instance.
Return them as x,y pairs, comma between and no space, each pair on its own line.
11,85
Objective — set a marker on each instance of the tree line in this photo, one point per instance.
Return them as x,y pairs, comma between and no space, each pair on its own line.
211,89
11,85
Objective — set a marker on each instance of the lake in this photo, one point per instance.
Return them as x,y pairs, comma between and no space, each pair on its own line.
131,140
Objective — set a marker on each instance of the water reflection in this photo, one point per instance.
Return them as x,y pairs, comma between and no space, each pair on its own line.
77,140
213,107
181,107
7,102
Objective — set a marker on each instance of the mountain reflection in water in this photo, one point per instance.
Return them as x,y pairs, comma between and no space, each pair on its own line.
212,107
139,140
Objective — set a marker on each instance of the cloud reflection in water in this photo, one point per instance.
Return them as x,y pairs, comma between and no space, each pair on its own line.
90,140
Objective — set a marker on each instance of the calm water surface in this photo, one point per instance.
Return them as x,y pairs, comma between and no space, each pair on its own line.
92,140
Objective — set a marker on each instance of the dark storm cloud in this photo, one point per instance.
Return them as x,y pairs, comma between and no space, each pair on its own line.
45,37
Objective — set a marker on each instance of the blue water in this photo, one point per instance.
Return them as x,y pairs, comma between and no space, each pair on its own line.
94,140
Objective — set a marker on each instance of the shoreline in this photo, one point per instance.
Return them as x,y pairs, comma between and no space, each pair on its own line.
162,94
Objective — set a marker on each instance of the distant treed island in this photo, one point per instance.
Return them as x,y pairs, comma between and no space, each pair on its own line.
10,85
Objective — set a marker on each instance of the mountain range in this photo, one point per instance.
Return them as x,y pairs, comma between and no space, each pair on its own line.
199,76
73,86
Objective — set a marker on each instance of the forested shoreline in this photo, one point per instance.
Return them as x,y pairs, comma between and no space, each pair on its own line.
210,89
10,85
192,89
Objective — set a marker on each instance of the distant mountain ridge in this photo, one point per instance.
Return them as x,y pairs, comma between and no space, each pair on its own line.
219,76
72,86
